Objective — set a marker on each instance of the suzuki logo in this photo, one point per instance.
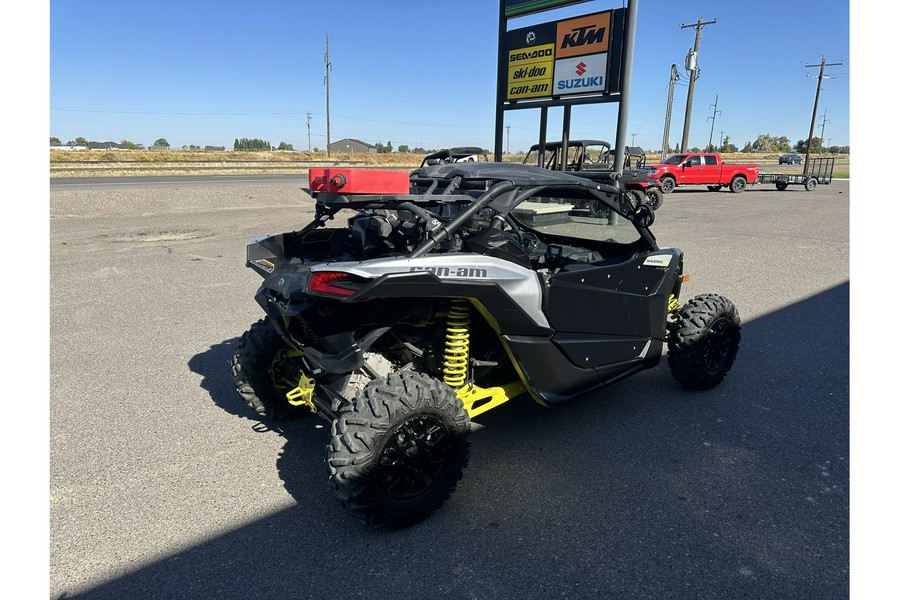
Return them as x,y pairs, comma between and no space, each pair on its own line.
581,68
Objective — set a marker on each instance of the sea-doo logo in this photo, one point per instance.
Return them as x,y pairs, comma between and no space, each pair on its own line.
581,36
581,69
530,37
538,53
468,272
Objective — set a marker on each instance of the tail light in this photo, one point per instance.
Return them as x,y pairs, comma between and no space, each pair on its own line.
333,283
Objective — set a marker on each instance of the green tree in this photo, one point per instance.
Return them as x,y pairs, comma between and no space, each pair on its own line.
130,145
54,141
161,143
80,141
285,146
815,148
727,146
403,148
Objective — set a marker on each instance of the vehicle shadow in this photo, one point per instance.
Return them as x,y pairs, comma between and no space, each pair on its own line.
738,491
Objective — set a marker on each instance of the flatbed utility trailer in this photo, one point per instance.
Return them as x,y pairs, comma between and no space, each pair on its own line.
819,172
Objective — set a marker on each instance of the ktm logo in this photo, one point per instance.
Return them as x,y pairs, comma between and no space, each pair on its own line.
589,34
581,69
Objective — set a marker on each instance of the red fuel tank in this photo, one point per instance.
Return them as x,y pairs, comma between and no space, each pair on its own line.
358,181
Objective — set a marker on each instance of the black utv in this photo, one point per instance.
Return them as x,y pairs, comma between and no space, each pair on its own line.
398,317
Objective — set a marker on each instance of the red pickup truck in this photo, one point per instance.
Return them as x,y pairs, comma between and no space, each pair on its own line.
695,168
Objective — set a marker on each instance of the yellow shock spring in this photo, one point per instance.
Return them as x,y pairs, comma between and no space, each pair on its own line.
456,346
674,306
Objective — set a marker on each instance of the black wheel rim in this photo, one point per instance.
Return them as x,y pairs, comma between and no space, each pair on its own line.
414,457
719,342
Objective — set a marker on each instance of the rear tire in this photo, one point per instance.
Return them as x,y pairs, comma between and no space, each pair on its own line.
738,184
811,184
781,186
264,369
397,453
703,341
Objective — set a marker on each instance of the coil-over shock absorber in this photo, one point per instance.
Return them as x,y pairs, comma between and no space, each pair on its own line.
456,345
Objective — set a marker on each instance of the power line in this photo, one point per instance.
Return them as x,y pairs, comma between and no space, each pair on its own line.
812,123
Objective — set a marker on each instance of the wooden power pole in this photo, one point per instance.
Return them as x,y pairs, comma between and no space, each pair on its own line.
812,123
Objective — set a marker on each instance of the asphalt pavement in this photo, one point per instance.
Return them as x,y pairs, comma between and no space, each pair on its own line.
163,484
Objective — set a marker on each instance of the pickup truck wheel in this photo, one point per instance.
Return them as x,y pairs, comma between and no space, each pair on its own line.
781,186
738,184
398,451
654,198
703,341
714,188
264,370
811,184
667,184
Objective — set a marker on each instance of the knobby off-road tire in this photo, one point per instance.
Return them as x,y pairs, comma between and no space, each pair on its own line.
398,452
598,209
263,372
703,341
635,197
654,198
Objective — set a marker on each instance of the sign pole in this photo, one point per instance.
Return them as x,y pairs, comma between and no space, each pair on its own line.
622,132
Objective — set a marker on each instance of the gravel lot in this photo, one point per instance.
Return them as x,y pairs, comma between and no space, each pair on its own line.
164,485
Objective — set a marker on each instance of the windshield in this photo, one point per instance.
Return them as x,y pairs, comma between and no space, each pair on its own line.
673,160
571,219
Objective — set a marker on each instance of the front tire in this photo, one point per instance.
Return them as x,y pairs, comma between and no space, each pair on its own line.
264,368
397,453
703,341
667,184
811,184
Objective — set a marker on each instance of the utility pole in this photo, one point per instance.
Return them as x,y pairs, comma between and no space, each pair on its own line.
713,117
691,66
721,140
673,77
308,133
507,139
824,120
812,123
327,103
632,138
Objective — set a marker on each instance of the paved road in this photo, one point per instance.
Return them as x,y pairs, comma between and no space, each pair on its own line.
163,485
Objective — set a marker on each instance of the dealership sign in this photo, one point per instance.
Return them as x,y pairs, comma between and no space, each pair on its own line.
564,58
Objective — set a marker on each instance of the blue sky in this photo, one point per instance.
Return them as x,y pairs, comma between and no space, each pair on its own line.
422,74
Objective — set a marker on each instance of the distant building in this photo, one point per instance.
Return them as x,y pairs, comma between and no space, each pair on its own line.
105,146
352,145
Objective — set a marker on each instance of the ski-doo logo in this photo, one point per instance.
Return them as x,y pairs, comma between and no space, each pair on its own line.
467,272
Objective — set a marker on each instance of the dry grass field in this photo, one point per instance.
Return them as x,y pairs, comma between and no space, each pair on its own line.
121,163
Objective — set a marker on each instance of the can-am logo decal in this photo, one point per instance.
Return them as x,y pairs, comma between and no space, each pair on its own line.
467,272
